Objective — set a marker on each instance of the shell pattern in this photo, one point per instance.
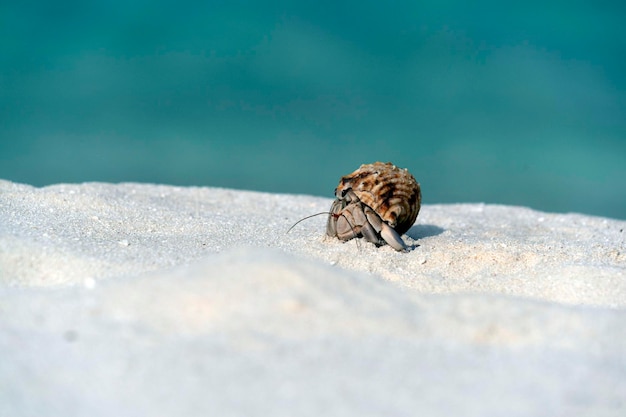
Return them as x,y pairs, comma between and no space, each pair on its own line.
374,194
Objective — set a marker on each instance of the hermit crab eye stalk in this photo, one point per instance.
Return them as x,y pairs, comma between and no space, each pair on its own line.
378,201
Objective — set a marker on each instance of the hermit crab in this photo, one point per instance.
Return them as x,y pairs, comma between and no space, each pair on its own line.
378,201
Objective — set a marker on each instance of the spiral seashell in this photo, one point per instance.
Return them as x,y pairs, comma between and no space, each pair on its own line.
392,192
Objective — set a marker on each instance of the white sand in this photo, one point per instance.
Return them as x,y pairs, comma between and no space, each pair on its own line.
137,300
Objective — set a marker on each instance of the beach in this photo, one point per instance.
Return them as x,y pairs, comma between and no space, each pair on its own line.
141,299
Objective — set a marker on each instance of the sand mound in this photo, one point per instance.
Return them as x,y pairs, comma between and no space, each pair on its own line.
137,299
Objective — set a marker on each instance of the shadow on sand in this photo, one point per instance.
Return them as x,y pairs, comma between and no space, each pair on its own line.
424,230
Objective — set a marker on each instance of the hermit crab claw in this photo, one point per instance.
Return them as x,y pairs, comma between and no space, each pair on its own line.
375,227
392,237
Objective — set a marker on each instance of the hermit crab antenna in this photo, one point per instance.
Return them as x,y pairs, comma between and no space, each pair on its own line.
308,217
335,215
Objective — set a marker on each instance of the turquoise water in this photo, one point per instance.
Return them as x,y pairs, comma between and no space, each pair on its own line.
486,102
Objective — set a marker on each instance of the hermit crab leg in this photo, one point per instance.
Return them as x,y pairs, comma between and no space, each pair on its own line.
369,233
392,237
373,219
331,228
371,228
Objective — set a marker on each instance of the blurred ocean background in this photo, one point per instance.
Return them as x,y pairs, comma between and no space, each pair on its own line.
518,103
